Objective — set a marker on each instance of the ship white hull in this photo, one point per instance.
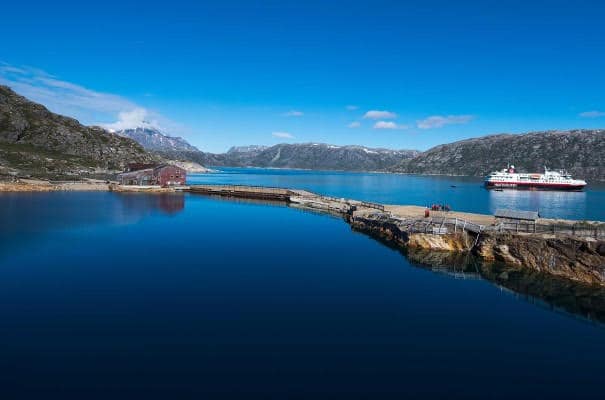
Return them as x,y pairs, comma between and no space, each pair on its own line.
533,185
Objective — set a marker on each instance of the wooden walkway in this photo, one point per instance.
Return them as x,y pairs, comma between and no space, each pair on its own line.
250,192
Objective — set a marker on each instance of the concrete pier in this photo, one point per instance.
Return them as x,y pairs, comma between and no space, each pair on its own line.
571,249
250,192
413,216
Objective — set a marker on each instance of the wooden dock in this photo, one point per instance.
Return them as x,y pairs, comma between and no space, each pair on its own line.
249,192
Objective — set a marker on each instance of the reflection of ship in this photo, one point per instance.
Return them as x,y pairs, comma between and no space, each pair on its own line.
549,180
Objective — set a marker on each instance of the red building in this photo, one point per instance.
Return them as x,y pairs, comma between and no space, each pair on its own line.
163,175
169,175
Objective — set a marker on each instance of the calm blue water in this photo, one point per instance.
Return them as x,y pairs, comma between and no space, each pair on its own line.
468,195
181,296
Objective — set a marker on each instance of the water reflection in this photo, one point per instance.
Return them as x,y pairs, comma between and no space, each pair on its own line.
242,200
146,204
548,203
551,292
548,291
27,217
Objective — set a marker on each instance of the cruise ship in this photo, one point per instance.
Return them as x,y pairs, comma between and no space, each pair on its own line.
549,180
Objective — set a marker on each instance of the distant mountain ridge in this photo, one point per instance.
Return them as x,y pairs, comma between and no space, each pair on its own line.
580,151
301,155
154,140
330,157
247,149
35,141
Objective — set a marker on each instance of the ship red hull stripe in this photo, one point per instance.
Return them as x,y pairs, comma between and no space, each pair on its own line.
534,184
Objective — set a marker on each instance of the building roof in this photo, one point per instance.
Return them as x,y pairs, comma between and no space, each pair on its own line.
161,166
515,214
138,172
150,170
132,167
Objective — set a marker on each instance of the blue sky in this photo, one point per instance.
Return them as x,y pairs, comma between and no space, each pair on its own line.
378,73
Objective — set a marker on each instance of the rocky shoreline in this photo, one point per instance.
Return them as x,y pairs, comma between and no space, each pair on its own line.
578,259
34,185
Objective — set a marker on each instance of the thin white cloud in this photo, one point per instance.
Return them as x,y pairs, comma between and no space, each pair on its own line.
294,113
7,68
388,125
136,118
592,114
61,96
354,124
282,135
352,108
87,105
438,121
378,114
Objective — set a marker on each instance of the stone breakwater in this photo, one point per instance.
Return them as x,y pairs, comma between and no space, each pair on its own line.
578,259
581,259
572,257
572,251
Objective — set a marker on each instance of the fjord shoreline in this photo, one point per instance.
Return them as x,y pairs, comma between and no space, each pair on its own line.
561,253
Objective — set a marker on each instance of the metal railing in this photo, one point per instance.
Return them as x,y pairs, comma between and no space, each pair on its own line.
578,229
372,205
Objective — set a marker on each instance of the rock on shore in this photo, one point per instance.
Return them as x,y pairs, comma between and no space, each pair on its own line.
450,242
574,258
577,259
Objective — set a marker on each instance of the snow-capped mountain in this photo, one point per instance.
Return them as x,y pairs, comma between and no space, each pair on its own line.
154,140
315,156
254,148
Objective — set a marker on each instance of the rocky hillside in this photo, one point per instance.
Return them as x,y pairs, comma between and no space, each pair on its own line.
247,149
154,140
305,155
324,156
35,141
581,152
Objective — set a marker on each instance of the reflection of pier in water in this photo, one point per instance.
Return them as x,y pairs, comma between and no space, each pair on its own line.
547,291
243,200
553,293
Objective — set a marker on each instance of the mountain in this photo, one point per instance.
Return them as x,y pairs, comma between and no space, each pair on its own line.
322,156
247,149
303,155
153,140
580,151
196,156
37,142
